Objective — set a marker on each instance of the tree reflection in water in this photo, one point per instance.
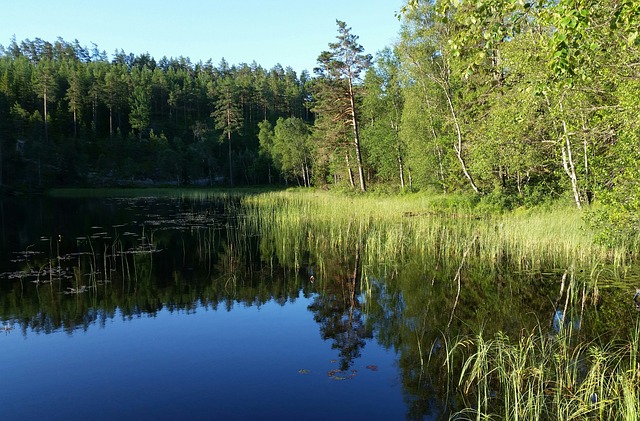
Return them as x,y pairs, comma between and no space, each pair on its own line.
338,311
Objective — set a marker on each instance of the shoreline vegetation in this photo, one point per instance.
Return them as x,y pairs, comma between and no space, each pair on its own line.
518,103
419,222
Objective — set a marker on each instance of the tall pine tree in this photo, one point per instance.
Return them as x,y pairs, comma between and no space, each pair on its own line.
340,68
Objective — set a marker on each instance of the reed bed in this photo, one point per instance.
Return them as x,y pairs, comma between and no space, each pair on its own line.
391,228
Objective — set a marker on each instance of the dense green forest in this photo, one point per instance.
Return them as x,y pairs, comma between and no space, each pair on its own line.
516,102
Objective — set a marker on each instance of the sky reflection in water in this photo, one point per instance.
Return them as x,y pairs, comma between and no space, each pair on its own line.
240,364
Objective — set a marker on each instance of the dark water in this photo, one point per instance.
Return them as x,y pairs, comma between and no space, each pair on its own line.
172,308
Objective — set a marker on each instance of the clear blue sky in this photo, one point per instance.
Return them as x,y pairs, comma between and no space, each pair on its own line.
289,32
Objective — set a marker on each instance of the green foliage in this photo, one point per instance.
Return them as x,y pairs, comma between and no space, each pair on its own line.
292,150
618,217
107,105
336,97
523,135
140,100
382,108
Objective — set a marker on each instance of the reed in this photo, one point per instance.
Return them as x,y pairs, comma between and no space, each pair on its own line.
392,228
539,376
535,375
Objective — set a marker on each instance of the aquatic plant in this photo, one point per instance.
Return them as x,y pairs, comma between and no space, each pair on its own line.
539,373
542,376
392,228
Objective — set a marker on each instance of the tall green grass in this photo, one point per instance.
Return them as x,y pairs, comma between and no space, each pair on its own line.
390,228
538,376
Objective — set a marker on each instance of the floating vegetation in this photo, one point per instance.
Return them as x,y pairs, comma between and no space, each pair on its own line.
304,371
80,290
339,375
25,255
38,276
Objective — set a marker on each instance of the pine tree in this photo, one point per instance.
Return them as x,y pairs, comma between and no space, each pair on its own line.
228,112
340,69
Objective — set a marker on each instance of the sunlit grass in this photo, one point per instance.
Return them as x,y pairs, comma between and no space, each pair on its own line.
392,227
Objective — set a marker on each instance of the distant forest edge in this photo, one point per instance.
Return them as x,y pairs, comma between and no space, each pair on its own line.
517,103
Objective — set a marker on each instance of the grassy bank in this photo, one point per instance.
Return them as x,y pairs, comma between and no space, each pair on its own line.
436,225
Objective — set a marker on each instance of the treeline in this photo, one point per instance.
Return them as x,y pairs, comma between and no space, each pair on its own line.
517,102
69,115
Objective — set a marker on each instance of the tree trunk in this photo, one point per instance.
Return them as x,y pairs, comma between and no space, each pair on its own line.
229,140
75,123
458,147
120,122
356,137
95,113
569,168
399,153
346,157
567,162
111,123
442,181
588,193
401,168
304,176
46,124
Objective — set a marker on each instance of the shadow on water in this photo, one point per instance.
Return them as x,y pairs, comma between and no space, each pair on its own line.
63,270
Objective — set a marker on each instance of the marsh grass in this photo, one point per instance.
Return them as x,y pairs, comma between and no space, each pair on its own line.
392,228
541,376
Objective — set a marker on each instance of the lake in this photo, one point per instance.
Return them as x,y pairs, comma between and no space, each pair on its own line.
194,306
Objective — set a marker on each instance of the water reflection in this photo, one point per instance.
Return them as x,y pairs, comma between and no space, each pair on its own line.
72,264
338,311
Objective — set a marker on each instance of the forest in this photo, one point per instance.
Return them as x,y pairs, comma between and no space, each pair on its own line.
518,103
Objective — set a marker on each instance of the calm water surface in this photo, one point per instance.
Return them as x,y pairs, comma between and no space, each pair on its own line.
202,364
172,308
